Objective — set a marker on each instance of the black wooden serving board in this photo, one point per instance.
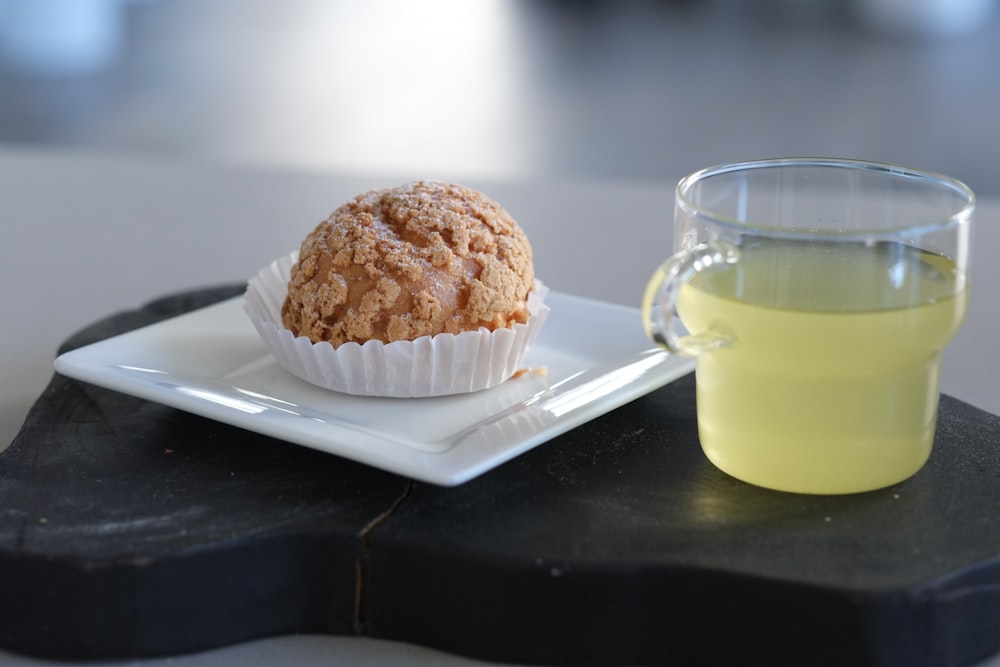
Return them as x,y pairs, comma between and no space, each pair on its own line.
130,529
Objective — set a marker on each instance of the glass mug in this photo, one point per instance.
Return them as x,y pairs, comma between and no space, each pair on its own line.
817,295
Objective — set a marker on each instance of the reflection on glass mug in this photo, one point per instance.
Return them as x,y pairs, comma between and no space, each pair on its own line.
817,296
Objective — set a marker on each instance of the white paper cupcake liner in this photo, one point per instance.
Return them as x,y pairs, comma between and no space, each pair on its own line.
428,366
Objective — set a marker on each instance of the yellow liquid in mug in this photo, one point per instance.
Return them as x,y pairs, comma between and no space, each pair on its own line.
831,382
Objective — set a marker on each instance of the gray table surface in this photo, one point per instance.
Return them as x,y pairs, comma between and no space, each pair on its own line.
89,234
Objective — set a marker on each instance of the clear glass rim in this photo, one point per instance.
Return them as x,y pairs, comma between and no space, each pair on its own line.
962,214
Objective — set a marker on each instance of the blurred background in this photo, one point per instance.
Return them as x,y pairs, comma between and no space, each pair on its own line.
547,89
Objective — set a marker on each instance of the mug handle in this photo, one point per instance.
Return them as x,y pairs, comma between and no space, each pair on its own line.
659,303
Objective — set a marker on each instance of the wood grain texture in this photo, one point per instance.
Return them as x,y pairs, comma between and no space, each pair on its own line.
130,529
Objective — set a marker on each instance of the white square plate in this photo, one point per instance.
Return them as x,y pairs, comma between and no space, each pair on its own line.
590,357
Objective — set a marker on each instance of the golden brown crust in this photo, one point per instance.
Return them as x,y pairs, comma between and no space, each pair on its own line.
400,263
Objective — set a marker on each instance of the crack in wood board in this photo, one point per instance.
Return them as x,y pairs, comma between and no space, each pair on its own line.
360,563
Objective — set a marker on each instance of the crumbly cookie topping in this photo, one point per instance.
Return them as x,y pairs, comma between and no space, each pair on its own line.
419,259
